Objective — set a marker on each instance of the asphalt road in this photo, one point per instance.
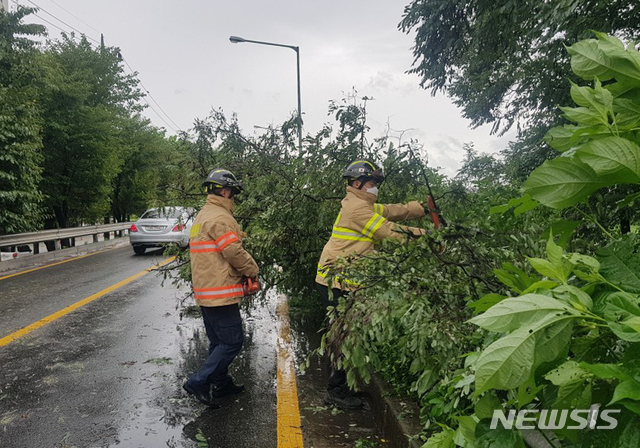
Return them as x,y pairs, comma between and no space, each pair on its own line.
109,373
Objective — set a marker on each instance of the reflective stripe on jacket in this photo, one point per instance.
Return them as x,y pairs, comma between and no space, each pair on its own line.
218,260
360,224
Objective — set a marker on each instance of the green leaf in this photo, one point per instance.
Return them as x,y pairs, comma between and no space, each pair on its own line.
442,439
528,391
621,310
628,201
465,434
577,297
629,389
486,302
554,252
424,382
632,322
583,116
520,205
624,332
606,371
630,437
574,395
509,362
566,373
589,61
620,265
513,313
553,342
562,182
562,230
572,390
604,59
597,99
542,284
614,159
617,306
563,138
558,271
625,63
579,259
513,277
485,406
628,329
498,437
627,113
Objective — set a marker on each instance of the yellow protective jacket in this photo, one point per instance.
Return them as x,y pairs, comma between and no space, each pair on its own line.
359,225
218,260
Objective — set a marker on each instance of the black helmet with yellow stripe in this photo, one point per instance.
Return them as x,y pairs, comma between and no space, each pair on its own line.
363,169
220,178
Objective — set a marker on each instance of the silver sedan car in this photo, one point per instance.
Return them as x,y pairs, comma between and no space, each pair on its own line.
160,226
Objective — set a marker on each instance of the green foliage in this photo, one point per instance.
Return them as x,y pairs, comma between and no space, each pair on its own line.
563,329
292,197
364,443
503,61
571,339
601,149
149,167
504,64
87,103
20,124
73,148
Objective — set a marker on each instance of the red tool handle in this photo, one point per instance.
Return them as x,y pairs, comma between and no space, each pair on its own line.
251,286
433,212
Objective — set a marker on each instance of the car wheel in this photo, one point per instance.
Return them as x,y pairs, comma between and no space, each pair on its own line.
139,249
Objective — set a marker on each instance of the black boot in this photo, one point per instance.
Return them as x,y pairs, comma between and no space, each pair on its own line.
227,389
200,395
341,397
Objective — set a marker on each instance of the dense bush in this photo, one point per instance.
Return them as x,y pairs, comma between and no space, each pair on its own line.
565,332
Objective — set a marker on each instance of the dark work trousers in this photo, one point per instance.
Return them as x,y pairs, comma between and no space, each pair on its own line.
338,378
224,330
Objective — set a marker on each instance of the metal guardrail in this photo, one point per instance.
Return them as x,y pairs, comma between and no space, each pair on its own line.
58,234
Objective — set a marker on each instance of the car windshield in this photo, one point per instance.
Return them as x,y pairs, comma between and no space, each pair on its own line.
162,213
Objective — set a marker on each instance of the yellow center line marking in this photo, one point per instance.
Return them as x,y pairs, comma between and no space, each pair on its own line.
55,264
289,426
34,326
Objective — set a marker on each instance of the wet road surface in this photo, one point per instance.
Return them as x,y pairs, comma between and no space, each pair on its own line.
109,374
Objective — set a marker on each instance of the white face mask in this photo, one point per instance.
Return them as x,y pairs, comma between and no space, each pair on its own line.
373,190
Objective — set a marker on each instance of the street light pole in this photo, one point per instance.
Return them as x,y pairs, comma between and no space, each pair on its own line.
237,40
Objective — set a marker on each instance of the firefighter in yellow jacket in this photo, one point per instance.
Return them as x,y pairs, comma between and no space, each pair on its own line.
359,225
219,264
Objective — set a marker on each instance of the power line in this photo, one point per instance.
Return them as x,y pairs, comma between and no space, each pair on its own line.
151,96
55,26
73,15
126,63
62,21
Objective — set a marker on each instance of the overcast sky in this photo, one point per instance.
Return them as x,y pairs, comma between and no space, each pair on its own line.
182,53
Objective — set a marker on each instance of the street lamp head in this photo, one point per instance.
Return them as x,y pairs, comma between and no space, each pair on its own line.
236,39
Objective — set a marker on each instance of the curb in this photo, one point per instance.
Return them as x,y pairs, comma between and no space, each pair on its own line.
398,419
38,259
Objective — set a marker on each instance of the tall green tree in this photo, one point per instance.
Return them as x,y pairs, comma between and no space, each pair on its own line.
20,124
89,101
148,172
503,62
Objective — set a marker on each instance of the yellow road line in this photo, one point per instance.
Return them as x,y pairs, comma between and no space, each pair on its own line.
289,425
34,326
54,264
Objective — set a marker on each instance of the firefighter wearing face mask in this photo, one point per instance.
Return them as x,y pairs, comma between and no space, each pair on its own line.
360,224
